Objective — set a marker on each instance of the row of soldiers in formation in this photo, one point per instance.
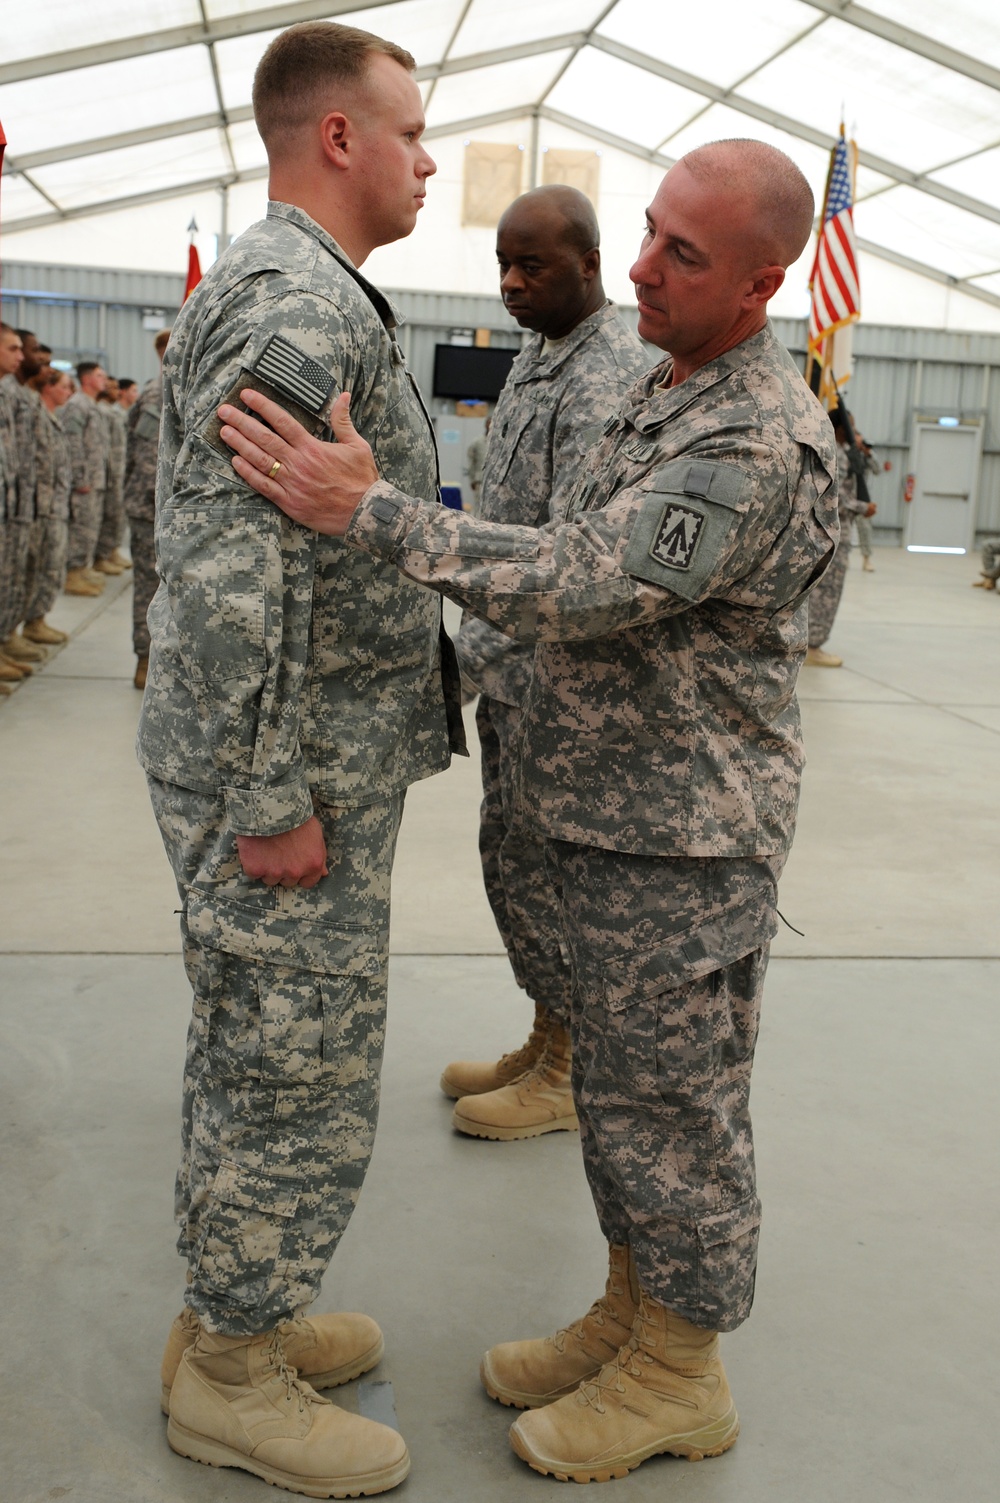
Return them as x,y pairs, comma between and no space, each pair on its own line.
76,458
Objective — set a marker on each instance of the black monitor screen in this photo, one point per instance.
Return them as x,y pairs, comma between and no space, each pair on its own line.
470,374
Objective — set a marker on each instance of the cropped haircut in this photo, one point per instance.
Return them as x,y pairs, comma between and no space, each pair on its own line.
161,341
298,78
85,367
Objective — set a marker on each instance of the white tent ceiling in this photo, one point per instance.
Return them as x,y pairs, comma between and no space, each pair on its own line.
117,106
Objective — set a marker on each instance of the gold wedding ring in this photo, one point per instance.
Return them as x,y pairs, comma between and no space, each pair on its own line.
274,469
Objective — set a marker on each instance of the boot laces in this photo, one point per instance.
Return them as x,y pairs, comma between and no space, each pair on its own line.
295,1389
597,1315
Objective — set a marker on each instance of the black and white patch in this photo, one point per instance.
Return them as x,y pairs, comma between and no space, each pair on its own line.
294,372
677,536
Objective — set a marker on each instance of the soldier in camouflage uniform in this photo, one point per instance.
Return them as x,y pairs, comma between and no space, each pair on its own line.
50,533
11,355
825,599
25,408
559,391
295,688
108,557
661,759
87,435
139,495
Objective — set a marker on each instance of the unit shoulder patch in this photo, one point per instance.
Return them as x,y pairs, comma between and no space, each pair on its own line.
676,538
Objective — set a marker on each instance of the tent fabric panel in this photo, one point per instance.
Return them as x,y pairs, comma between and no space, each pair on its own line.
906,220
489,25
504,85
901,106
117,174
681,37
972,27
68,24
623,99
144,91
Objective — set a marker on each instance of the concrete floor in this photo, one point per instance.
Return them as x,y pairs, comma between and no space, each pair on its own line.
869,1369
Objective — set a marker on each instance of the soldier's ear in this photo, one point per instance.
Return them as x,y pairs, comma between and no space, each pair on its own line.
591,264
335,134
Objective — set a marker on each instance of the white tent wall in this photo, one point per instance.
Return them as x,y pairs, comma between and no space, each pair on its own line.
88,313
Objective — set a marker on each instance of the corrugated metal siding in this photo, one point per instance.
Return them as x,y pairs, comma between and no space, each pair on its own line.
91,313
88,312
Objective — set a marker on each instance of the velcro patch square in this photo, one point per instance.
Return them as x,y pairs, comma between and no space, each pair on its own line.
294,372
677,536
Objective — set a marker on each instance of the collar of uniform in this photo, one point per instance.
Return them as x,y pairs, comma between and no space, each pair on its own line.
660,404
537,363
387,311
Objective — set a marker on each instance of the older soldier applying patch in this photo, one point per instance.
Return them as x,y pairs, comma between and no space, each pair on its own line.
661,759
295,688
560,389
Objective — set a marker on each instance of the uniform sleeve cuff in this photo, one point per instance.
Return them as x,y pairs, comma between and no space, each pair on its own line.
382,519
268,811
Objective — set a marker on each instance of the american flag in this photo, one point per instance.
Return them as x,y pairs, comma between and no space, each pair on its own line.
836,296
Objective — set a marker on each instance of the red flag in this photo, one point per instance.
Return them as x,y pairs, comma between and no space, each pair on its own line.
194,265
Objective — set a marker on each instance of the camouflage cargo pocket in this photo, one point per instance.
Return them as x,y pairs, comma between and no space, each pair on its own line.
243,1232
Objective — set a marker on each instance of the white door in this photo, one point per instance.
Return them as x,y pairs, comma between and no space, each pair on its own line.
944,463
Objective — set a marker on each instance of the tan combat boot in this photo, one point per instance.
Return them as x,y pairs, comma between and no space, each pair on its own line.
537,1102
817,658
20,651
984,582
107,566
326,1350
666,1391
527,1374
867,565
141,670
39,630
468,1077
119,558
78,583
11,672
236,1402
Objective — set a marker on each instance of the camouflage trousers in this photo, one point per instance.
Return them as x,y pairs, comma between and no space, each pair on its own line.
46,565
145,581
669,957
284,1051
85,513
520,893
866,534
991,558
15,533
824,598
112,528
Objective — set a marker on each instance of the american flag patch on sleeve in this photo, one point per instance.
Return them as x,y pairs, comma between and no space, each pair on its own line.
290,370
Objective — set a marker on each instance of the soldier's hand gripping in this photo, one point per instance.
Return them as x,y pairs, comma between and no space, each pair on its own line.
296,858
314,483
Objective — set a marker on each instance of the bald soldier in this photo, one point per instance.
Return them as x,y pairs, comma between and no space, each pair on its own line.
661,758
560,389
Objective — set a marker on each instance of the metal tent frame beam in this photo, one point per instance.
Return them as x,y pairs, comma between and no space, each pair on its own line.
912,41
145,44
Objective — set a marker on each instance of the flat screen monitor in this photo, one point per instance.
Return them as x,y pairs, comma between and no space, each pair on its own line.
470,374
